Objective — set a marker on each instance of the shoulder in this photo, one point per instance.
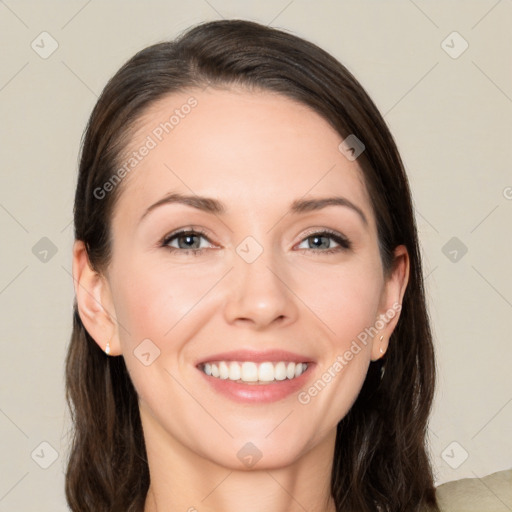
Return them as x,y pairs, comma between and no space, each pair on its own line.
492,493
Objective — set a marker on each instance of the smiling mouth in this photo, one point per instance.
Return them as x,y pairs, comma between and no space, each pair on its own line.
249,372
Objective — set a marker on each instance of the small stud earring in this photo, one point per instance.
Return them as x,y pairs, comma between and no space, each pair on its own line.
381,351
107,348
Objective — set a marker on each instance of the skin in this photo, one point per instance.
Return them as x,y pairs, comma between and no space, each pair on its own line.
256,152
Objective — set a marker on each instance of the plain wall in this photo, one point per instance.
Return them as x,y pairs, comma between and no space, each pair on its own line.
451,116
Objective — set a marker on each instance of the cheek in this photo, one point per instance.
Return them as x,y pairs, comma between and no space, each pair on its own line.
346,299
347,304
157,296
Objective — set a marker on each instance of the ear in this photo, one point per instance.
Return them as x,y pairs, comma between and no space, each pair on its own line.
94,301
391,301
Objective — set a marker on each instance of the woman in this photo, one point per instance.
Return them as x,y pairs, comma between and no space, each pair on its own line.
250,329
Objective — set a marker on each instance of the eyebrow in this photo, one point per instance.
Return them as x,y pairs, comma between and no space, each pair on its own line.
213,206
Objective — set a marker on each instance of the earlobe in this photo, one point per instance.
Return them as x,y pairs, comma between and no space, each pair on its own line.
94,302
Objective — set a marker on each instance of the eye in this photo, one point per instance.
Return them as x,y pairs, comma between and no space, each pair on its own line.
323,240
186,242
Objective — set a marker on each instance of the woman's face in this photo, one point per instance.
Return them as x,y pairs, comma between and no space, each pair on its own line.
258,280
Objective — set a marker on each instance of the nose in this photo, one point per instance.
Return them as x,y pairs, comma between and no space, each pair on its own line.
260,293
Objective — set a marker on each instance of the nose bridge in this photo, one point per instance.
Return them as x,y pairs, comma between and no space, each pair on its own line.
258,291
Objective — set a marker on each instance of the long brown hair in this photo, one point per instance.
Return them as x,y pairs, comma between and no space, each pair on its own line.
380,459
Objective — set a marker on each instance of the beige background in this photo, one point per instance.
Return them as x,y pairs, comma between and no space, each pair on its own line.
451,118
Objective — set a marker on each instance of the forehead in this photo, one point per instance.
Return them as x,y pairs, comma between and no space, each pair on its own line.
249,149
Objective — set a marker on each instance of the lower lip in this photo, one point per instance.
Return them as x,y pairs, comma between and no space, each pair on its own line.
258,393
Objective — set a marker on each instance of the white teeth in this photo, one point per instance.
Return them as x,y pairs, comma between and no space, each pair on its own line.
249,372
280,371
266,372
223,370
234,371
290,370
252,372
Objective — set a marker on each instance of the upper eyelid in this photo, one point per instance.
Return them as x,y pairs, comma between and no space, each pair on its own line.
183,231
323,231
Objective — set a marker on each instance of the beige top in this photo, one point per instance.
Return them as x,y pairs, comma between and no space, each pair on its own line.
492,493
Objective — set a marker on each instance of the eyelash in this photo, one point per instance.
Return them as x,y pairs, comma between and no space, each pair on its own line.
344,243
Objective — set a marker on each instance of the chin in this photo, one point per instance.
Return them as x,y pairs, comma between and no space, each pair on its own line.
257,454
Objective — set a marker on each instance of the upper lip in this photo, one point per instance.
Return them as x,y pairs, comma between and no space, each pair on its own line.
258,356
